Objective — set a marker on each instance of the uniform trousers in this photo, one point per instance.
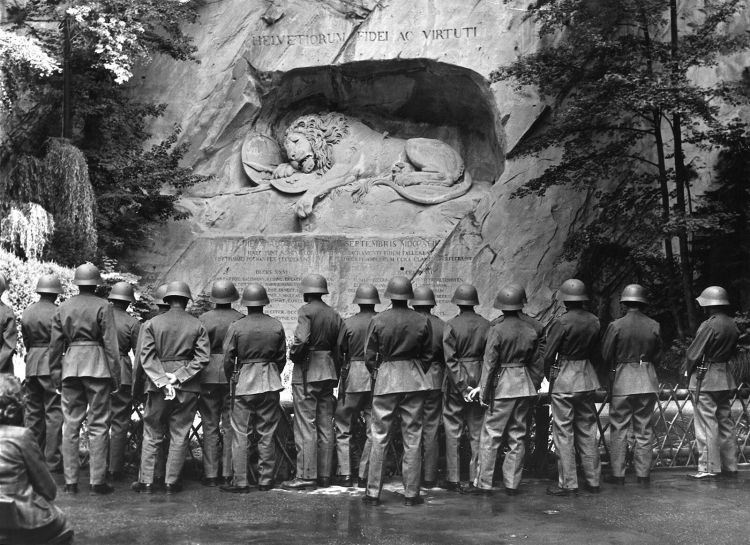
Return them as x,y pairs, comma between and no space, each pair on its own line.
638,409
313,428
574,429
456,414
409,406
85,398
261,412
121,402
166,417
714,432
433,409
509,416
347,412
44,417
213,405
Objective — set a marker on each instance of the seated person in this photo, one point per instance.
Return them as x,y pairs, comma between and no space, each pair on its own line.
27,489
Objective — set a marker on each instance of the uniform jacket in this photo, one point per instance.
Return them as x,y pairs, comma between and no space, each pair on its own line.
513,344
631,345
573,338
9,338
257,344
538,327
436,372
174,342
716,341
352,349
36,323
217,323
464,338
399,346
83,339
317,334
128,329
25,479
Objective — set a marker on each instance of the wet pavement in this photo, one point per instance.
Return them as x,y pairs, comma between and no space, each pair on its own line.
671,510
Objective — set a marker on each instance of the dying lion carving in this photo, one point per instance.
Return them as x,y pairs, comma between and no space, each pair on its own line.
326,151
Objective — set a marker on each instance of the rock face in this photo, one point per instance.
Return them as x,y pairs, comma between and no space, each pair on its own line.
405,69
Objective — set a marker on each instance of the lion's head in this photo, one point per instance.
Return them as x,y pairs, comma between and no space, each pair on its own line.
310,139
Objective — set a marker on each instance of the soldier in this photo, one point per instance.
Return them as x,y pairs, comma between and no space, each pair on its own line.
316,362
399,350
254,357
712,384
511,375
572,342
175,349
8,331
464,338
213,403
121,401
423,302
83,352
631,348
355,389
43,408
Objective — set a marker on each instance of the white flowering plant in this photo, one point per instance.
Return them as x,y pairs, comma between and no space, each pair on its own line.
20,57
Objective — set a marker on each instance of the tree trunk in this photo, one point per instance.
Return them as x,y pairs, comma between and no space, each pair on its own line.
67,124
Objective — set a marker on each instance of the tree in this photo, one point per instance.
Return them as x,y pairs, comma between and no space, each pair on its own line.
619,73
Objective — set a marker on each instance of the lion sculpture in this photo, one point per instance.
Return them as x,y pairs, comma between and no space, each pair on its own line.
328,151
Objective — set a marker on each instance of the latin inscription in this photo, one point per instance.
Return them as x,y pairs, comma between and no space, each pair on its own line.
320,39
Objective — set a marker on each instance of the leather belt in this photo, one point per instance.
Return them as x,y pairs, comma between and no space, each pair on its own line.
635,362
85,343
512,364
176,358
255,360
468,360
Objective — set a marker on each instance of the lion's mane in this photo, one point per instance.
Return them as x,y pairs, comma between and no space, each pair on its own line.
322,131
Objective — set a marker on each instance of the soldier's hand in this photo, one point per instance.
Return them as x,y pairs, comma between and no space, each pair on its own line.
472,395
169,392
172,378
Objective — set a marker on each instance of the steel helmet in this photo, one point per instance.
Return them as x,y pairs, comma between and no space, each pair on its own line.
366,294
399,289
314,283
634,293
254,295
573,290
223,292
178,288
516,285
159,295
465,294
423,297
510,297
713,296
122,291
87,275
49,283
3,283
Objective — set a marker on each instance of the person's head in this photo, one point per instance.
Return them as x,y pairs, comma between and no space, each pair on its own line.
714,299
178,294
223,293
510,299
159,301
573,293
399,291
465,297
254,297
11,401
121,295
313,286
366,297
634,297
49,287
87,278
423,300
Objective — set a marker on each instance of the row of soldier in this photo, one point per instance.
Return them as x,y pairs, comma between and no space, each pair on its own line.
403,362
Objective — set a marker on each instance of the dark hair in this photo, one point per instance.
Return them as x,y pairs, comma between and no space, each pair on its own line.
11,401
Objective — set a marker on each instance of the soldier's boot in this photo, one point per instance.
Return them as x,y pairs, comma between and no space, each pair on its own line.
300,484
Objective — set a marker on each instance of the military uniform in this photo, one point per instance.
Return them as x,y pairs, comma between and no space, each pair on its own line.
464,340
572,342
213,403
399,348
355,392
43,408
121,400
433,401
631,345
177,343
9,335
315,356
256,344
714,344
512,371
83,351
